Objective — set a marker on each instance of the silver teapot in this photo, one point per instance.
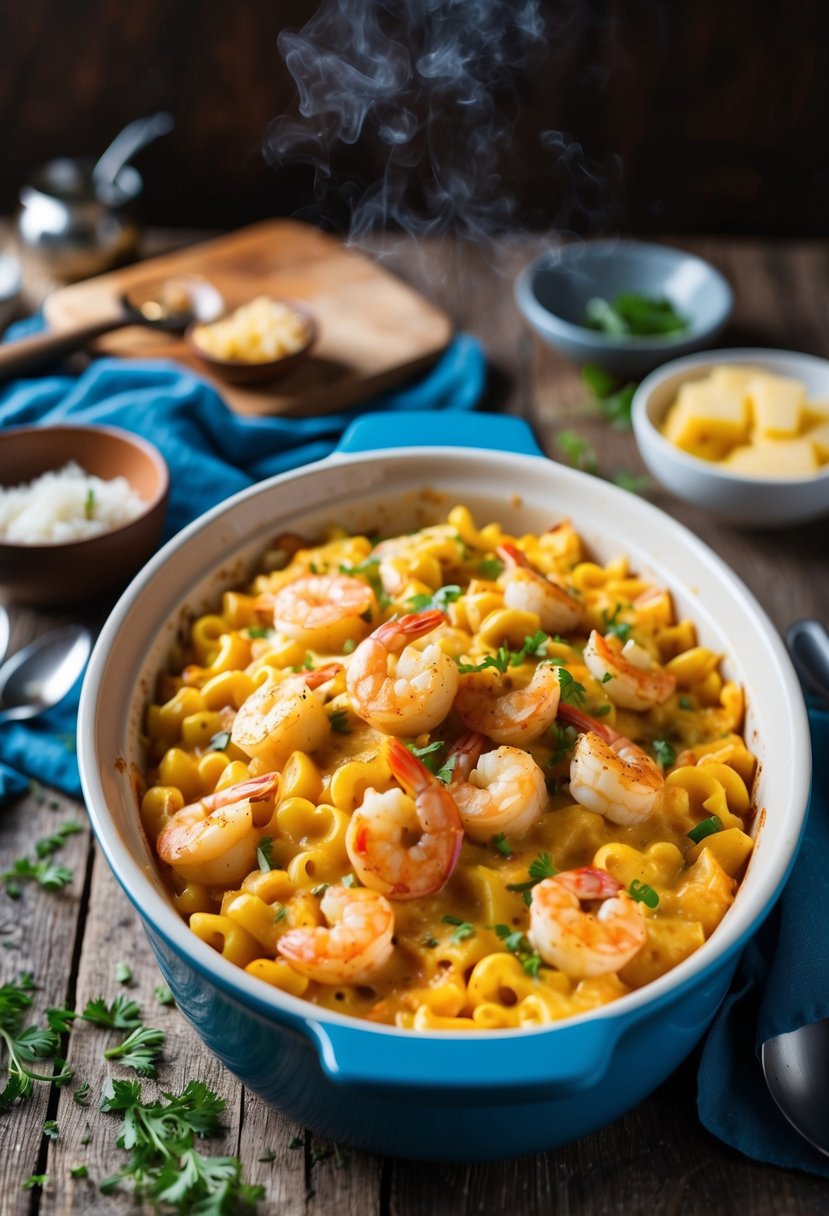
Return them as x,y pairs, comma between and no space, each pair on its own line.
77,217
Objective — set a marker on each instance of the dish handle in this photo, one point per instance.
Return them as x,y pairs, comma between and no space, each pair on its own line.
460,1065
424,428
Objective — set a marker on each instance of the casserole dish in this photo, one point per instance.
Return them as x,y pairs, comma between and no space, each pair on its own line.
437,1095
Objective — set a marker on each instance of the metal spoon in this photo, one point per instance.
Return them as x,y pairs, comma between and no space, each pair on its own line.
42,673
796,1065
169,305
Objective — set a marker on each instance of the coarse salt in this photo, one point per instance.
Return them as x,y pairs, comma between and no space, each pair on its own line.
64,505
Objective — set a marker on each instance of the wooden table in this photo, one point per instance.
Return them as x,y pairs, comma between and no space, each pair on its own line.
657,1159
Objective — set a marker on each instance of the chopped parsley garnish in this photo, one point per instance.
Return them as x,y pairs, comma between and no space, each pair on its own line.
430,942
89,503
122,1014
348,880
632,314
501,845
490,567
349,646
463,929
280,913
571,690
664,752
517,944
257,631
600,711
219,741
29,1184
534,644
368,571
78,1171
51,844
264,858
51,1129
81,1094
307,663
643,894
296,1142
615,627
686,703
564,739
540,867
339,721
707,827
439,599
320,888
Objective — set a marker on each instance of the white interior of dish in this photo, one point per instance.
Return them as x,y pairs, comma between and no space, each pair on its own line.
385,492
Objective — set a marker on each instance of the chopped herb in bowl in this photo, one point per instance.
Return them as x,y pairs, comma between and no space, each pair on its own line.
631,315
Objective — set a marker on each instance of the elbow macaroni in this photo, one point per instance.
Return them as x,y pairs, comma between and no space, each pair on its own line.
461,959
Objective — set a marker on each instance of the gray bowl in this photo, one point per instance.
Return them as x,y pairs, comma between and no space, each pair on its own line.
553,290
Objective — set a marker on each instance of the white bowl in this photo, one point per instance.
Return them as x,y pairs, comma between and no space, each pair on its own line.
754,502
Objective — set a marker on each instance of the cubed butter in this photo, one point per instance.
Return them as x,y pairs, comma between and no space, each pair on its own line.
777,402
708,420
818,436
733,377
775,458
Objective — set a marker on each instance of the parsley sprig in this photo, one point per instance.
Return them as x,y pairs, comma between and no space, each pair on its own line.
615,627
22,1046
164,1164
48,874
429,754
438,599
517,944
533,646
540,867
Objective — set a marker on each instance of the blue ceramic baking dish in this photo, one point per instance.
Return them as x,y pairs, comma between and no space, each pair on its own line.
438,1095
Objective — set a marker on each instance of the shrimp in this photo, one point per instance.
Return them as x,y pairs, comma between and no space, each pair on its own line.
609,774
501,791
213,840
322,611
580,943
515,717
397,688
377,834
528,591
282,716
632,678
354,945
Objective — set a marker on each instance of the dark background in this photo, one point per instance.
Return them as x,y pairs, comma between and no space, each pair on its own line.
679,117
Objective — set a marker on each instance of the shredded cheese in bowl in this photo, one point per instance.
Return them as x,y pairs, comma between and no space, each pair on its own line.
259,332
64,505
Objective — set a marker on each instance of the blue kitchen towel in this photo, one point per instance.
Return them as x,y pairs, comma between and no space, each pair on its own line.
212,453
782,983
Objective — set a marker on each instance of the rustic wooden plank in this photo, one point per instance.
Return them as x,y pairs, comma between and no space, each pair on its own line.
37,934
113,934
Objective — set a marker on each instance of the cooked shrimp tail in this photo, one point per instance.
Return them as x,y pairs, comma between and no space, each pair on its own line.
515,717
527,590
354,945
377,836
583,943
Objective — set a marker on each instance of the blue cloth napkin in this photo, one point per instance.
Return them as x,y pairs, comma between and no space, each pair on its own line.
782,983
211,452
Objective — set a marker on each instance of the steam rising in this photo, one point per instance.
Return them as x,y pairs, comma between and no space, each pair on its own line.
427,87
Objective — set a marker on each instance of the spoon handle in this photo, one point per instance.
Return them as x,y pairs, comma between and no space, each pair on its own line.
808,643
31,354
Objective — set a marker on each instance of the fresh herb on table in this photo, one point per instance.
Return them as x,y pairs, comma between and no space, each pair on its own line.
581,454
50,1129
25,1045
50,844
163,995
438,599
139,1050
79,1171
517,944
122,1014
29,1184
123,974
164,1164
81,1095
50,876
613,401
634,483
540,867
631,314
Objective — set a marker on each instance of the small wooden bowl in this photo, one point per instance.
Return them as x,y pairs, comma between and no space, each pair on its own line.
71,571
238,371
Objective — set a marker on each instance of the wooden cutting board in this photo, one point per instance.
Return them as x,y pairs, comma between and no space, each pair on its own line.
374,330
